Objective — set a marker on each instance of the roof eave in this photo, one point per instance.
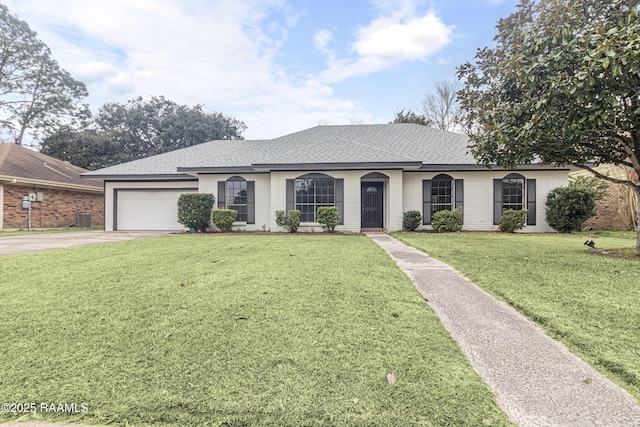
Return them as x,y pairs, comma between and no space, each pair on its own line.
336,165
49,184
141,177
194,170
469,166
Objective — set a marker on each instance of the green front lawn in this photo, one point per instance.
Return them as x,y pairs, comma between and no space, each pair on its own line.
589,302
231,330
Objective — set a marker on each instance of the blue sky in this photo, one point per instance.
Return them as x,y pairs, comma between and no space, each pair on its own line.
278,65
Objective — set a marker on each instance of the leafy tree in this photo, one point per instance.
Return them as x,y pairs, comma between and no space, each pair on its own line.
569,207
138,129
35,93
90,149
410,117
146,128
442,109
561,87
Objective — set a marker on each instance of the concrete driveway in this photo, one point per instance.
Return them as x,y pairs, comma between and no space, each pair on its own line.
21,244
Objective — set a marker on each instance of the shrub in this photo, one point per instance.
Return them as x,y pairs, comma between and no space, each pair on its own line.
194,210
597,185
513,220
223,218
569,207
329,217
411,220
447,220
290,220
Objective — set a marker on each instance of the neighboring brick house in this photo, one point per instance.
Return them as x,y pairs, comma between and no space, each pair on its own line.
63,193
371,173
618,209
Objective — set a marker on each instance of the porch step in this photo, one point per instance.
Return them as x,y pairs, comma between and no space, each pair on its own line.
372,230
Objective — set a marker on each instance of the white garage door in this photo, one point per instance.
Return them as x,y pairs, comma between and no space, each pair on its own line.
149,209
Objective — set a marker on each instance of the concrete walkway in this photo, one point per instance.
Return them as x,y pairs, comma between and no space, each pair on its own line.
22,244
537,381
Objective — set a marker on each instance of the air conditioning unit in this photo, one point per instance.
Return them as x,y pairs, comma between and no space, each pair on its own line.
84,220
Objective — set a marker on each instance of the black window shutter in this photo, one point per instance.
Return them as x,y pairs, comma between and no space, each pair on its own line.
339,198
426,202
497,201
291,195
251,202
531,202
459,183
221,194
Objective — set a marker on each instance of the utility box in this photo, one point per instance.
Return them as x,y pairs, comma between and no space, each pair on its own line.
39,197
26,203
84,220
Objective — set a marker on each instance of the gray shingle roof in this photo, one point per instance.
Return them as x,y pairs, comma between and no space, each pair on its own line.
350,144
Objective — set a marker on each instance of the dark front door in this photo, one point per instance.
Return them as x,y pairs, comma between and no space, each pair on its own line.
372,206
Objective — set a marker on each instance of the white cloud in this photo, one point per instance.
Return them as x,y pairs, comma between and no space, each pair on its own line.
222,54
415,38
399,36
93,71
321,39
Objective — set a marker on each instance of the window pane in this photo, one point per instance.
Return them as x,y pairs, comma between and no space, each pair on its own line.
513,194
312,193
237,198
441,195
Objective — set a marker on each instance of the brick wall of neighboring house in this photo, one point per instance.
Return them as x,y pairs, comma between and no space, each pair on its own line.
612,212
58,208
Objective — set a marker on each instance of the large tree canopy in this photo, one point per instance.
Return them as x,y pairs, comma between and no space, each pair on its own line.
138,129
35,93
561,86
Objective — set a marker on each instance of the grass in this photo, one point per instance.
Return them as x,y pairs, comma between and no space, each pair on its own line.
587,301
231,330
46,231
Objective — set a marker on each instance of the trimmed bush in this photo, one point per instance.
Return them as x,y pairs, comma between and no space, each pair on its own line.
223,218
290,220
194,210
329,217
569,207
593,183
443,221
513,220
411,220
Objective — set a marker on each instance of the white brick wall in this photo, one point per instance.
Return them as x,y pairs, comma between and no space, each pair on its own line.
352,204
402,192
209,184
478,195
